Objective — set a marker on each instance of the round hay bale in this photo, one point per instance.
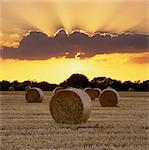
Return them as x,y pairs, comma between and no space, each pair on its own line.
91,92
58,88
98,91
11,88
109,98
27,88
131,89
34,95
131,92
70,106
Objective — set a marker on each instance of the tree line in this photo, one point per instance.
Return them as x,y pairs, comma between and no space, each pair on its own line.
79,81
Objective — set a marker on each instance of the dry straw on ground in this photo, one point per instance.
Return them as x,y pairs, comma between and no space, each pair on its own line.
58,88
34,95
109,98
91,92
98,91
70,106
27,88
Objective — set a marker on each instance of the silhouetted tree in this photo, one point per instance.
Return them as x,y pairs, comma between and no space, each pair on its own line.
144,86
63,84
27,83
20,87
77,81
45,86
14,84
99,82
4,85
116,85
126,85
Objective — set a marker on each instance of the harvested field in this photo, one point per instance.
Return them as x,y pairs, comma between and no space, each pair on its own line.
30,125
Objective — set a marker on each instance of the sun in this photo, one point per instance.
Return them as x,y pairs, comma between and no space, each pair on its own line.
75,65
79,55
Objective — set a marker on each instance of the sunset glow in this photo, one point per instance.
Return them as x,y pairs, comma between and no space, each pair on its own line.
88,18
116,66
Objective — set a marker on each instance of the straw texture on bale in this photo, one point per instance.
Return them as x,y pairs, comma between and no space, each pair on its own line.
98,92
70,106
34,95
91,92
11,88
109,98
27,88
58,88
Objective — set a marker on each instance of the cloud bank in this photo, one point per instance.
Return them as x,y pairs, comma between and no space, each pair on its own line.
38,46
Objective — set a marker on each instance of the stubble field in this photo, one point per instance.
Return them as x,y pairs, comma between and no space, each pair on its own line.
28,126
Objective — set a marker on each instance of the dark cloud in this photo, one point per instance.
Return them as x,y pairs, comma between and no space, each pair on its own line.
38,45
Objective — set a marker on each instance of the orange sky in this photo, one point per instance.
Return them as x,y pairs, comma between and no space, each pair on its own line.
89,16
117,66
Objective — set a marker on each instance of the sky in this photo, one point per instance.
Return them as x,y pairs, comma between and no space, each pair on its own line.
50,40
